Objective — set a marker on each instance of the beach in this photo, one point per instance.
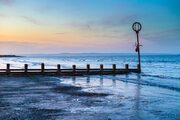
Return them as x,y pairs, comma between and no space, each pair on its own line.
151,94
86,97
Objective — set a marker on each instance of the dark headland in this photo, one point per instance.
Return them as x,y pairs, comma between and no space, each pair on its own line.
10,56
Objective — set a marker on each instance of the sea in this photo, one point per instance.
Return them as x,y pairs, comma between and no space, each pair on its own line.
153,94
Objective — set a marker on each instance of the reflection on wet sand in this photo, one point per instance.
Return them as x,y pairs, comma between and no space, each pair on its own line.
83,97
89,80
101,80
114,81
137,92
137,98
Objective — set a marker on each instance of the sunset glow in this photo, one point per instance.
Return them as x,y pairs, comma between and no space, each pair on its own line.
56,26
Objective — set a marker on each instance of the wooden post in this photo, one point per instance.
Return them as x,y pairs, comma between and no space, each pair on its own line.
8,68
42,68
114,68
137,28
127,67
25,68
74,69
101,69
139,68
58,68
88,68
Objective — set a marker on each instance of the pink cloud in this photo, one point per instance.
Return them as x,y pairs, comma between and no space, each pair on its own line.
7,2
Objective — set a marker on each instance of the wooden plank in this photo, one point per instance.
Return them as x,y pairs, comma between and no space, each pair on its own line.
127,67
58,69
101,69
74,69
139,68
26,68
114,68
88,68
8,68
42,68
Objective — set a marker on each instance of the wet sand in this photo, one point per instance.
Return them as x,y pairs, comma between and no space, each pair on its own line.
85,98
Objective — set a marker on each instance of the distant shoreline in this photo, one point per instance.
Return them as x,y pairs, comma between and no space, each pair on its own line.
10,56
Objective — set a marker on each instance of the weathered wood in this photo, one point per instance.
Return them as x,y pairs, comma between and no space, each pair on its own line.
87,68
114,68
42,68
139,68
101,69
25,68
127,67
74,69
59,69
8,68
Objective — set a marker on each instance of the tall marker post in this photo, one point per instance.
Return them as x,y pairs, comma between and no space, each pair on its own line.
137,27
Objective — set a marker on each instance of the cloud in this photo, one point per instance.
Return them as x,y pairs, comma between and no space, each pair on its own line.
131,18
44,9
108,25
60,33
116,20
7,2
31,20
2,15
163,35
12,46
108,36
80,25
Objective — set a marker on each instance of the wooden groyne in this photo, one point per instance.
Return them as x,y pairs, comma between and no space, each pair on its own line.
74,71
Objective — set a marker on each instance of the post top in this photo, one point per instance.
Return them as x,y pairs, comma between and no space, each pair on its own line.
137,26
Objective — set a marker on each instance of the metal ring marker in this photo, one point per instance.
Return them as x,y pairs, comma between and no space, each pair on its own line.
137,26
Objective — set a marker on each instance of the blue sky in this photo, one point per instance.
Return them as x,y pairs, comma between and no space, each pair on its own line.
55,26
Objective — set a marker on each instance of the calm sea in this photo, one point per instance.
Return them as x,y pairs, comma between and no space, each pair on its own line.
156,66
157,69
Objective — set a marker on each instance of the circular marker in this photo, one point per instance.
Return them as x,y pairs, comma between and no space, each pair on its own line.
136,26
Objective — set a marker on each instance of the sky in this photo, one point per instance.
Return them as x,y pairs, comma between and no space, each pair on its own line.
88,26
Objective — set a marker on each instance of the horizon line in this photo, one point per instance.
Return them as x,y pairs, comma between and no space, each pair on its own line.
91,53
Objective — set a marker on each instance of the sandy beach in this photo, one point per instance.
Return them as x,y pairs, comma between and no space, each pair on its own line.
86,97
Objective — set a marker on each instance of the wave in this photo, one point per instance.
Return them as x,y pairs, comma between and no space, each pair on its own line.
160,76
161,84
